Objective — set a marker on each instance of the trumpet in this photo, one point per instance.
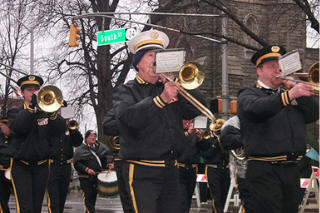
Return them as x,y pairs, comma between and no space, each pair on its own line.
72,124
49,99
213,131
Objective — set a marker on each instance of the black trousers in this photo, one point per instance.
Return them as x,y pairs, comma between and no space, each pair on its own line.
89,188
4,193
203,187
29,184
245,195
124,194
153,189
275,187
58,186
187,181
219,181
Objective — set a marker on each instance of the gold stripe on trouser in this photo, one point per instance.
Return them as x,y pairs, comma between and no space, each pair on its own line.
14,187
131,171
1,211
243,209
148,163
49,202
84,201
206,174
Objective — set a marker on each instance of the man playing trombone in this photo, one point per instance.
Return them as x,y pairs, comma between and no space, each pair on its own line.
150,114
29,141
273,127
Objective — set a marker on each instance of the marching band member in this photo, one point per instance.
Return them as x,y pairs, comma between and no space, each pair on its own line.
217,171
188,162
150,114
231,139
111,128
273,128
4,164
90,158
61,159
29,141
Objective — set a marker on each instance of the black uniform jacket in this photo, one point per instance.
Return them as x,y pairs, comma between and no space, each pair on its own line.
30,133
64,141
4,151
83,158
214,154
230,138
109,124
192,149
270,126
149,130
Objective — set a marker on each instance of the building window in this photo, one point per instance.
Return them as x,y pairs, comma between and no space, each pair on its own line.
251,22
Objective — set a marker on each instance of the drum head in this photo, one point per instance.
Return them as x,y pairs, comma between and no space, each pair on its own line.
107,177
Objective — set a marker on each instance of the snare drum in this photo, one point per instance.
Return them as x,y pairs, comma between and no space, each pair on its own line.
107,184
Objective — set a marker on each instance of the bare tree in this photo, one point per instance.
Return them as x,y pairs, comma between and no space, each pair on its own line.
13,38
91,72
88,74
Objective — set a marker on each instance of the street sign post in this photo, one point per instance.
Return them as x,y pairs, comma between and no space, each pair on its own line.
115,36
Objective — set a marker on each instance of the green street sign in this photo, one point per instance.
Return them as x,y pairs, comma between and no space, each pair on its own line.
115,36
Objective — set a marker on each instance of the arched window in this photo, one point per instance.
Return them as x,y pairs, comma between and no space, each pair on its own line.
251,22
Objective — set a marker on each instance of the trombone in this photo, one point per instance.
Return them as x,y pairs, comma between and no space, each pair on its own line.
191,76
312,76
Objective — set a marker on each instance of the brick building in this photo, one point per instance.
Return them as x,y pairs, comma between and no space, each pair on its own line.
277,22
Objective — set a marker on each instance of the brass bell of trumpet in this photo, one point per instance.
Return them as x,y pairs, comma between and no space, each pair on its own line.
213,130
72,124
191,75
49,98
217,125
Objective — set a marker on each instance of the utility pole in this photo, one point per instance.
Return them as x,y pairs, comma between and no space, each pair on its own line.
224,68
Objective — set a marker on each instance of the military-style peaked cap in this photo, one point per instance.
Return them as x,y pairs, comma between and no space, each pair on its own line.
151,39
30,80
269,53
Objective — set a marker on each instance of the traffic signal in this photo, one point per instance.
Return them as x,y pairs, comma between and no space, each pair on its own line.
74,36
